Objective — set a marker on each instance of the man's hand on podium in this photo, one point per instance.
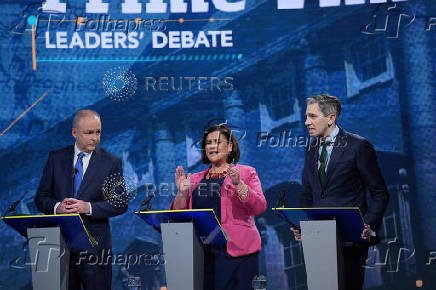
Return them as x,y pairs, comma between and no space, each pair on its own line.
297,234
367,232
72,205
64,207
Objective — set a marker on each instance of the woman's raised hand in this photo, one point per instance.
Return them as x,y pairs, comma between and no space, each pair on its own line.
183,183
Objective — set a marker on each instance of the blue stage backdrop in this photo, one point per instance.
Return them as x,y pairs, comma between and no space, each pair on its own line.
159,72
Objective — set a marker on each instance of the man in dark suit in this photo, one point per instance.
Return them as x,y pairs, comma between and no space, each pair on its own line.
339,167
73,181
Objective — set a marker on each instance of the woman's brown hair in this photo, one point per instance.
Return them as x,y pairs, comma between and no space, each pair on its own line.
227,132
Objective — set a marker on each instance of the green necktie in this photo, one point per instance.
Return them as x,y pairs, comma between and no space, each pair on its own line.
323,160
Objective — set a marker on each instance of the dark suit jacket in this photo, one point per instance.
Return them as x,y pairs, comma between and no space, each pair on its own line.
57,184
352,169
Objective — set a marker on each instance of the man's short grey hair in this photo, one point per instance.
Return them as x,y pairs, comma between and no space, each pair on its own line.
81,114
327,104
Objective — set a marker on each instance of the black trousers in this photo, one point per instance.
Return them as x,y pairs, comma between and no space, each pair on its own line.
353,270
90,269
224,272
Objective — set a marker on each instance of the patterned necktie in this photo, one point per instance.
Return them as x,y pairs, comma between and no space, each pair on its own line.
323,160
78,173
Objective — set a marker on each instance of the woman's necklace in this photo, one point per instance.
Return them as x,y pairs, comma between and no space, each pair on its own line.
215,175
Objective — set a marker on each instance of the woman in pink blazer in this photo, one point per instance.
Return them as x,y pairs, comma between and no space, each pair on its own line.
235,193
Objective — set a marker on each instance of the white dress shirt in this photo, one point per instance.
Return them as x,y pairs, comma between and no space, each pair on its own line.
85,161
332,139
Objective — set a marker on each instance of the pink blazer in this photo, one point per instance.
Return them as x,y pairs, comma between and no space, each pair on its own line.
237,216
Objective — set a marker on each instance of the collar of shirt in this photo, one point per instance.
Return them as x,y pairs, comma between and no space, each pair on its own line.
85,159
332,137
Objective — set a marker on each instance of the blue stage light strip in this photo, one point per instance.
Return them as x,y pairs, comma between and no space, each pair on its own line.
200,57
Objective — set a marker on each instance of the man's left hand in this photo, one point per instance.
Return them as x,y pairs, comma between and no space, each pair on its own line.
366,234
78,206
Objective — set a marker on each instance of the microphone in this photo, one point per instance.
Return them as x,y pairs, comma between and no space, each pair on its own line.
15,204
75,171
147,201
281,201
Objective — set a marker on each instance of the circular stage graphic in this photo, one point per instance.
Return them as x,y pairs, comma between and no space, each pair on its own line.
119,84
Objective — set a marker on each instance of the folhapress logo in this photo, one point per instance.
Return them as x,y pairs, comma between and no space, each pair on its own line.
388,20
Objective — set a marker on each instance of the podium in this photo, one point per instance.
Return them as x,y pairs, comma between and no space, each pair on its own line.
323,230
50,237
183,234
